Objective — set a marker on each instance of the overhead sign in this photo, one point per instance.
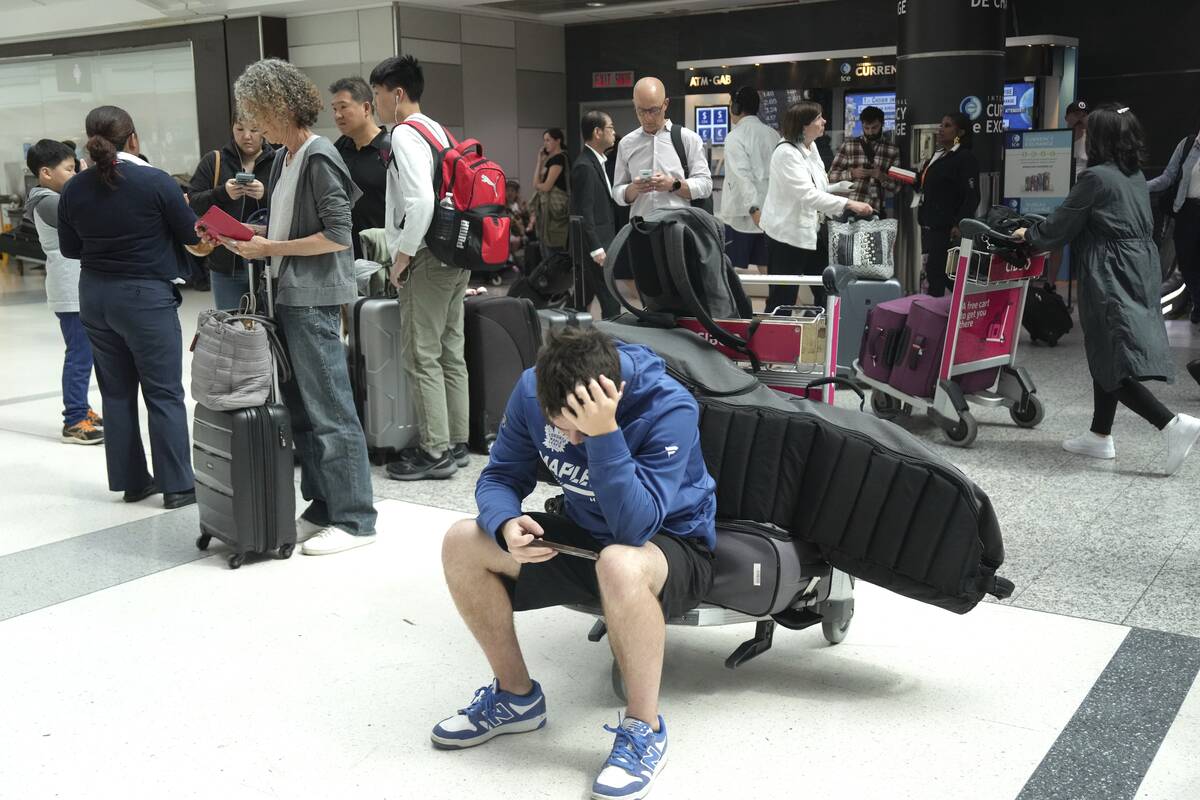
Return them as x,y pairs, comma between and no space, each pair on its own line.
622,79
721,80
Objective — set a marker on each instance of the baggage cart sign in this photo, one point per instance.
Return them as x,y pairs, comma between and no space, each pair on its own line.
987,326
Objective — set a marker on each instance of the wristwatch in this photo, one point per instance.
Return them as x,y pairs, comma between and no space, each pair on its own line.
675,186
754,210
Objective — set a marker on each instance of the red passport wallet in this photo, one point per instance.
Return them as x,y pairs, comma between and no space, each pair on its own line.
215,221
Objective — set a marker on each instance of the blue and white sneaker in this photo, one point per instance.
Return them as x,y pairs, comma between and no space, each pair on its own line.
491,713
638,755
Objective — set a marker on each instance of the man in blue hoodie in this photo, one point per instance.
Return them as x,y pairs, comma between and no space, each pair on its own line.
622,437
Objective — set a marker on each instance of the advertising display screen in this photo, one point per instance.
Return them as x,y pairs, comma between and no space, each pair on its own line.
1019,100
1037,170
712,123
857,101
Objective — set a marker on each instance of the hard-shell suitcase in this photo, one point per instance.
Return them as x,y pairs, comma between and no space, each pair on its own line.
382,390
859,297
244,462
503,335
919,357
554,320
882,335
1046,316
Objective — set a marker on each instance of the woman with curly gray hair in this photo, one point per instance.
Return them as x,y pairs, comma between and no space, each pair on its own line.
307,244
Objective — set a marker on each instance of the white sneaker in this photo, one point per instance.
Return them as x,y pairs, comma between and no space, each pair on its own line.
333,540
305,529
1182,432
1092,445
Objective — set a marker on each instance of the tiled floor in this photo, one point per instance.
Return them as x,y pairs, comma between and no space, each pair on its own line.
134,665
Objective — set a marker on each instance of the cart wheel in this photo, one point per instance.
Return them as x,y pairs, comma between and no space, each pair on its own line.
835,630
884,405
286,550
202,541
1028,414
618,683
236,560
964,432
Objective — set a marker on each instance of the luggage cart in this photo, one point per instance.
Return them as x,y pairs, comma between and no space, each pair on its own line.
992,272
828,598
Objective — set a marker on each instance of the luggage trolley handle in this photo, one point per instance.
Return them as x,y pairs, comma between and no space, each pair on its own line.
279,351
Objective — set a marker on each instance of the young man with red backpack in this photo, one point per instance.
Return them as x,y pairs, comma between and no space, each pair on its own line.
431,292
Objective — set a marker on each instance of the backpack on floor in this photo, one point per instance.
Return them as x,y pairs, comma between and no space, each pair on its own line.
470,222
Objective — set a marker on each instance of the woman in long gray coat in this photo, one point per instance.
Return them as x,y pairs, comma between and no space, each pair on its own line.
1108,223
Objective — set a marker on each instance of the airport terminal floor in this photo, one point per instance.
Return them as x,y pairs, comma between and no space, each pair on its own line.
134,665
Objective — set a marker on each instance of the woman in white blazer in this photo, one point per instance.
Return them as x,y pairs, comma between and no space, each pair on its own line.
798,201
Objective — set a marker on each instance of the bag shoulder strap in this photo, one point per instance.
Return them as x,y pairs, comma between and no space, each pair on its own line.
216,168
617,251
675,236
439,152
677,143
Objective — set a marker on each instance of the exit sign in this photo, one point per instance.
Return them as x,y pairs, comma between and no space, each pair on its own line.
612,80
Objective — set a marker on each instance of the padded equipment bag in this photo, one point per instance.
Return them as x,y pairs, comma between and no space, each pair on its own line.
503,335
760,570
383,393
1046,316
872,499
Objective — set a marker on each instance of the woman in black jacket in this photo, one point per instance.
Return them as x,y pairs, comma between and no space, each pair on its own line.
215,184
949,184
125,221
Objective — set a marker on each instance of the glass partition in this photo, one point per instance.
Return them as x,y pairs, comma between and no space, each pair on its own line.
49,97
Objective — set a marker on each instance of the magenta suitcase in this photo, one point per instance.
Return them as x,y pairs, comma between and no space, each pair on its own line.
919,356
882,337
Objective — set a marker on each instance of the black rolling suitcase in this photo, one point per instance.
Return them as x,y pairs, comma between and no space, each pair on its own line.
244,462
503,335
1046,316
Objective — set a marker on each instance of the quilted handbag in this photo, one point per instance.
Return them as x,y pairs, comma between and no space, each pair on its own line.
233,358
866,246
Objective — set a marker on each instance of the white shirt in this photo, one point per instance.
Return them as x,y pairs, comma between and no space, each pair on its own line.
1079,152
410,186
748,151
1193,192
283,199
603,159
798,195
641,151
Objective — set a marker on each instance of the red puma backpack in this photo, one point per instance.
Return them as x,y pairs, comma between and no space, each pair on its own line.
470,221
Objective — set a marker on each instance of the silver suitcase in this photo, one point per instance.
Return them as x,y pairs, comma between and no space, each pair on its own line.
383,393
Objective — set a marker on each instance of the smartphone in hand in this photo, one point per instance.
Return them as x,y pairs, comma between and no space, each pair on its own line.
567,549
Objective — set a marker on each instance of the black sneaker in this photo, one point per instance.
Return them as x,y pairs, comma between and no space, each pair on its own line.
423,466
462,456
83,432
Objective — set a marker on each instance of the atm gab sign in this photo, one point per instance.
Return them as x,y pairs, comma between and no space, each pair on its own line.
721,79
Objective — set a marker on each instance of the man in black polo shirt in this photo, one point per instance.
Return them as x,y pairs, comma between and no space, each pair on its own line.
363,145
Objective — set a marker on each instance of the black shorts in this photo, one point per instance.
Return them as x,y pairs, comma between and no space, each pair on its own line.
571,580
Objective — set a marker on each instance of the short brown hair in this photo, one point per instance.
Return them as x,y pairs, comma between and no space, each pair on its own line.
798,117
572,357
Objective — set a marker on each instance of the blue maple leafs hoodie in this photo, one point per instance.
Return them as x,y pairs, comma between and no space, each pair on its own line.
622,487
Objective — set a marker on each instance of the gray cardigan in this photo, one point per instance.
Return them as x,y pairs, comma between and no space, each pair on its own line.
324,197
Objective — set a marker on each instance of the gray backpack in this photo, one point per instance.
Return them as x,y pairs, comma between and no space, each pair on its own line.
678,262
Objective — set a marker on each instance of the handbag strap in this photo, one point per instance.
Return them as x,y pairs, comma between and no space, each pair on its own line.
216,169
278,351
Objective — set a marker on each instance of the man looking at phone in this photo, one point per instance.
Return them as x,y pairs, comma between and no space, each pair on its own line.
364,147
864,160
234,180
649,172
622,438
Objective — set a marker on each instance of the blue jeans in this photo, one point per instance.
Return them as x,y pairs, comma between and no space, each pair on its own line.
77,368
133,325
228,289
335,475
